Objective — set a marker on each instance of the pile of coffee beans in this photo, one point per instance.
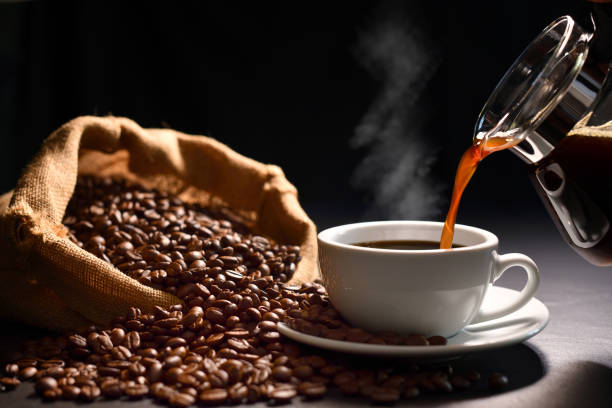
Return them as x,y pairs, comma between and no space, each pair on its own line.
320,318
221,345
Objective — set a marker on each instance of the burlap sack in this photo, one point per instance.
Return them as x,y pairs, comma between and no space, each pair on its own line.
48,281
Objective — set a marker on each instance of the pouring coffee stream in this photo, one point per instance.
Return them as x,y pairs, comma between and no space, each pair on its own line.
483,145
553,108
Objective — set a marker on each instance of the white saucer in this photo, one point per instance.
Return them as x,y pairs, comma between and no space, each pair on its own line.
510,329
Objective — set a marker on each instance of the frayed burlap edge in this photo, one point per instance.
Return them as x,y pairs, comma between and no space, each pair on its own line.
50,282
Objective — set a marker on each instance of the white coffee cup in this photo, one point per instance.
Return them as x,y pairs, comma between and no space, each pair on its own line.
429,292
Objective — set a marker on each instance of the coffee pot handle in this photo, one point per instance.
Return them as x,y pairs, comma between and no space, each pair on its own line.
500,264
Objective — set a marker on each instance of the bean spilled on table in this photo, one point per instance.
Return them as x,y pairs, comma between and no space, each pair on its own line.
221,345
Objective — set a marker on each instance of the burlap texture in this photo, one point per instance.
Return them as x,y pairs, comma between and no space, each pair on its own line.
50,282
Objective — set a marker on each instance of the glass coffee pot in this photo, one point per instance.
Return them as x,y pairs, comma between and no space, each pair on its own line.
557,86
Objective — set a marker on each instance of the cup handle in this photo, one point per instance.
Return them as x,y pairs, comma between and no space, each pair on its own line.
501,264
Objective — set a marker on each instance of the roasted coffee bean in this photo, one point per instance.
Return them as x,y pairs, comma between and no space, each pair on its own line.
27,362
65,381
441,383
240,345
119,364
109,371
238,393
155,372
70,392
234,275
52,363
218,378
238,333
312,390
52,395
384,395
303,372
215,339
132,340
89,393
162,392
202,290
316,362
472,376
357,335
136,369
213,396
181,400
55,371
267,325
497,382
44,384
172,361
282,373
187,380
82,380
331,370
253,314
436,341
27,372
282,395
11,369
192,316
79,353
99,343
281,360
245,303
171,375
117,336
459,383
124,247
344,378
271,316
136,391
148,352
215,315
112,389
168,322
269,337
121,353
9,382
176,342
133,325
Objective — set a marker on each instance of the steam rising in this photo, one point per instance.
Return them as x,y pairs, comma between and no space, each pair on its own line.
396,169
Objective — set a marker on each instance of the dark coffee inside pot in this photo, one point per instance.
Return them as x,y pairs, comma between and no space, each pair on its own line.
408,244
574,183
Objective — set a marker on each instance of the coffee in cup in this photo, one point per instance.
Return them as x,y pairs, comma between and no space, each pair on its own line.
416,291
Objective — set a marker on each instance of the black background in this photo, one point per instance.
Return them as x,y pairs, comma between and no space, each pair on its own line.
281,82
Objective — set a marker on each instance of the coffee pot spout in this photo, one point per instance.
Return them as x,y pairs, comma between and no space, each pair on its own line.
558,80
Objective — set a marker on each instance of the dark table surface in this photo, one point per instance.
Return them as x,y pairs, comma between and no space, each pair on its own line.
569,364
